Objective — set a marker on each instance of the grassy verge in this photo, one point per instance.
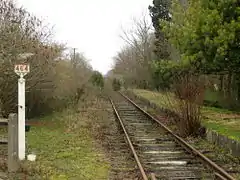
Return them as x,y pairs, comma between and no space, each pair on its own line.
223,121
65,149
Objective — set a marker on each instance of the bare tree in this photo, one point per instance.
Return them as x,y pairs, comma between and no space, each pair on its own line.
24,33
133,61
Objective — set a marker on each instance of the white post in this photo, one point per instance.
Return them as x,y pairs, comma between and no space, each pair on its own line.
21,70
21,118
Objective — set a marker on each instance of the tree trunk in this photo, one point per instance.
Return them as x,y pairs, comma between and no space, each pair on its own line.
229,85
238,93
238,88
221,82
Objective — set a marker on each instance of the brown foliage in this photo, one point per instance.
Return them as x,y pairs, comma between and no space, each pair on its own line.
189,92
49,81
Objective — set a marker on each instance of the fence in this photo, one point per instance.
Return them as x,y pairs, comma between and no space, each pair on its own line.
233,146
11,141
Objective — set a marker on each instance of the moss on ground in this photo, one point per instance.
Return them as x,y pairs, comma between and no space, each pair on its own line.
3,130
65,149
222,121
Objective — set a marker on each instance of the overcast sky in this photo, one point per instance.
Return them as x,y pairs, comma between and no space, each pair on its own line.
91,26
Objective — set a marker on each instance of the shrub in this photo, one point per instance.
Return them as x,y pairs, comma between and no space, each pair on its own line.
116,84
97,79
189,92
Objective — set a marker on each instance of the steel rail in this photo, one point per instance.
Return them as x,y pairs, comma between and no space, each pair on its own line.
130,144
223,174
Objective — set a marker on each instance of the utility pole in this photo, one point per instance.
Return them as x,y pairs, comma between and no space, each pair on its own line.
74,57
74,63
74,53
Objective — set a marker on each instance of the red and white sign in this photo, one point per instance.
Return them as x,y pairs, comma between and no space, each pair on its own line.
22,68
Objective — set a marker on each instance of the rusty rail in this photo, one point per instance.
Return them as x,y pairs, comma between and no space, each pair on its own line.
130,144
221,173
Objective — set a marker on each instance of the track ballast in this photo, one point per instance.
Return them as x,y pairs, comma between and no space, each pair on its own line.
157,150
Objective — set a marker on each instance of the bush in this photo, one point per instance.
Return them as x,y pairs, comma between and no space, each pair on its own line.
116,84
189,92
97,79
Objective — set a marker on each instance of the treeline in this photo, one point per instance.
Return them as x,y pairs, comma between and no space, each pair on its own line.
191,38
55,80
132,65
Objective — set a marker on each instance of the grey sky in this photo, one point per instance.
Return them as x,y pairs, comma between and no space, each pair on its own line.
91,26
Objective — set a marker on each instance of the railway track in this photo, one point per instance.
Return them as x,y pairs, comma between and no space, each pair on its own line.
159,153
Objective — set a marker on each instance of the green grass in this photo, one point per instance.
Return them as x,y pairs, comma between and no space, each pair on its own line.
224,129
160,99
208,109
65,149
222,121
3,131
213,96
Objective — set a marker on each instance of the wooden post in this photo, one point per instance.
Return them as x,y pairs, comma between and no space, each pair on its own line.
13,162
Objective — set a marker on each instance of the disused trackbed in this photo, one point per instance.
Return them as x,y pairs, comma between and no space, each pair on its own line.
159,153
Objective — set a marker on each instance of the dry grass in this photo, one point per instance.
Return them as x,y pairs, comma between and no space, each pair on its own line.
65,147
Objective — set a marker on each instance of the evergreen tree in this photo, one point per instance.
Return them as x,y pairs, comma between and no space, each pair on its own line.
160,11
97,79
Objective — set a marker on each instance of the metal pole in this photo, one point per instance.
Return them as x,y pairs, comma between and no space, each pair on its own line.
74,58
21,118
74,53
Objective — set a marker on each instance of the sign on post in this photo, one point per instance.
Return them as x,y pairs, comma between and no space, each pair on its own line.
21,70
